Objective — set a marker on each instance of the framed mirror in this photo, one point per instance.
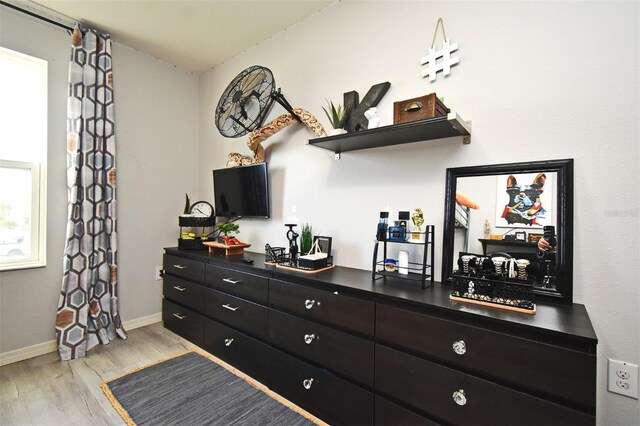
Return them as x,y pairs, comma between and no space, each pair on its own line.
506,208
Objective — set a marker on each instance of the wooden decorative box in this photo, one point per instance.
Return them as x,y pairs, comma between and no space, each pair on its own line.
427,106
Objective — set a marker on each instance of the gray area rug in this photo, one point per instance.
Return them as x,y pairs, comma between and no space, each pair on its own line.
193,390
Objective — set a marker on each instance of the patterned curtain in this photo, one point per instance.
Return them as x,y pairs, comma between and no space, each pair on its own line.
88,307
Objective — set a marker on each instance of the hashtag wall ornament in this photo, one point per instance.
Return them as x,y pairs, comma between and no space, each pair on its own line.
439,60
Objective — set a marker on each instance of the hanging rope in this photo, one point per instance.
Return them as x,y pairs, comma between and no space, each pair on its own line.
439,24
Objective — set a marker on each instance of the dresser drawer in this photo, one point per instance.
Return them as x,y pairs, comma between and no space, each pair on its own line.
339,351
184,292
254,287
183,268
459,398
248,355
328,397
549,369
390,414
183,321
249,317
325,306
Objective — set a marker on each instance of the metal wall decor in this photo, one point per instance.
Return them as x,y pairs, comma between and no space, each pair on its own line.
439,59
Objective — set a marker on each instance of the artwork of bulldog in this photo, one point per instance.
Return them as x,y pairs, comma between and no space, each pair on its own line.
524,205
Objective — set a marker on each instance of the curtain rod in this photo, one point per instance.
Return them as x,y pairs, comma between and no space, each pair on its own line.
42,18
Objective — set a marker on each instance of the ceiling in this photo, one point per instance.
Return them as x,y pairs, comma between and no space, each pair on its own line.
195,35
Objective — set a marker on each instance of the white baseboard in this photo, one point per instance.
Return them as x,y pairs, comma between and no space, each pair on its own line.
52,346
142,321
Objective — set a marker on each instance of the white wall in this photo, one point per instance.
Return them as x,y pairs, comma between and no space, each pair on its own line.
539,81
157,147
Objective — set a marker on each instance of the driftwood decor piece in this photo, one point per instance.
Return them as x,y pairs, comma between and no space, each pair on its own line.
355,109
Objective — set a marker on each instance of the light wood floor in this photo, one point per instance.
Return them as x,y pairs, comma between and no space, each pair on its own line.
46,391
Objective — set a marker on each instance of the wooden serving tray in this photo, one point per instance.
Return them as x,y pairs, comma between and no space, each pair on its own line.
229,250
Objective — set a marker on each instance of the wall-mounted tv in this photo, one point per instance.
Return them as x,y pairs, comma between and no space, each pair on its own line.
241,191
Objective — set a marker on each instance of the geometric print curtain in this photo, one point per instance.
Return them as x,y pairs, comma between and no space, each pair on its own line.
88,307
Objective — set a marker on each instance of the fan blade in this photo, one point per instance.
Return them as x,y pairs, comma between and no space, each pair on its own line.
230,111
251,82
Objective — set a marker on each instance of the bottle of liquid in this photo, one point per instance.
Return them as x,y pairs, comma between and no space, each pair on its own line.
403,262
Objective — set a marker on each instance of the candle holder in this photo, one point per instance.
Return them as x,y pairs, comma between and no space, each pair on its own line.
465,262
522,268
497,263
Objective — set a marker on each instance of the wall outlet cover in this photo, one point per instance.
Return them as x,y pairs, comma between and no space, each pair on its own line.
623,378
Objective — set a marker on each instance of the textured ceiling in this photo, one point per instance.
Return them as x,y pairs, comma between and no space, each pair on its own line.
194,35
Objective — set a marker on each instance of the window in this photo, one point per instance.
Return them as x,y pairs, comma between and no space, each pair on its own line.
23,154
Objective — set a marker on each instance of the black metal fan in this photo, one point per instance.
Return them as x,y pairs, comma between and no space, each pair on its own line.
246,101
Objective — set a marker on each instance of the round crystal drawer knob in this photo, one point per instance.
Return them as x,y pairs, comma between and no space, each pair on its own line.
228,342
307,383
459,397
308,338
309,303
460,347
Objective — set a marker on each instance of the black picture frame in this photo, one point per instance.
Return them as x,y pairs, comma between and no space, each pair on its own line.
324,244
563,293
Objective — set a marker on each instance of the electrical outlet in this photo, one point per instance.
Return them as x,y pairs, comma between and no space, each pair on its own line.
623,378
158,273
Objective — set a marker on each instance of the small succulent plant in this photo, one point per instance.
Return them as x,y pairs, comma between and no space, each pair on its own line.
336,115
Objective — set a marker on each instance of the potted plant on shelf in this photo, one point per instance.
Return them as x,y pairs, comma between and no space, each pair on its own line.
227,228
337,117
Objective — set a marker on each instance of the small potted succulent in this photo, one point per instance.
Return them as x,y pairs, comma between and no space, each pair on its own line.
337,117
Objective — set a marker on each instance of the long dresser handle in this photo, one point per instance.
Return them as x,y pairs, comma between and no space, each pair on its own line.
230,281
308,338
307,383
228,342
177,287
459,397
179,266
309,303
180,317
460,347
231,308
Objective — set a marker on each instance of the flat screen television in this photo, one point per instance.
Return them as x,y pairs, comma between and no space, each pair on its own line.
241,191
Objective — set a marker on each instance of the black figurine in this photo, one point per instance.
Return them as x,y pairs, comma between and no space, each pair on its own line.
292,236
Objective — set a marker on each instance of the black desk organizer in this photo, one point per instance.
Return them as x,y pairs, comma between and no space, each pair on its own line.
421,272
504,292
478,282
279,256
194,222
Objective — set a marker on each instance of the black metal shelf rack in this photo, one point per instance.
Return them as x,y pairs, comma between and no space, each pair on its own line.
421,272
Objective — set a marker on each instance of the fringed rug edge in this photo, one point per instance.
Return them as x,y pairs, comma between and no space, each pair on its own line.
257,385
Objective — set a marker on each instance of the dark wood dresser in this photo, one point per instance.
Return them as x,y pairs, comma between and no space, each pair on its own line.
355,351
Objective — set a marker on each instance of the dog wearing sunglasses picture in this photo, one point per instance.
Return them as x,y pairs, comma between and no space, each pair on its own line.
524,205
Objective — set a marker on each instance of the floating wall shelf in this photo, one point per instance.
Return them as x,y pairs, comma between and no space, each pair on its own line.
433,128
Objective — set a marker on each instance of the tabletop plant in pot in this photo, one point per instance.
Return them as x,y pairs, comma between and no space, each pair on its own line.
337,117
229,228
306,241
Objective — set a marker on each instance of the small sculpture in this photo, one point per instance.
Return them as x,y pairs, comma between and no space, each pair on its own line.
418,218
373,120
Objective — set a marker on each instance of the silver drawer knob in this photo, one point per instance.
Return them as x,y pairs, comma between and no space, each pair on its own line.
309,303
179,266
228,342
307,383
460,347
459,397
308,338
